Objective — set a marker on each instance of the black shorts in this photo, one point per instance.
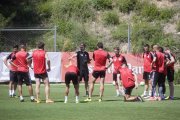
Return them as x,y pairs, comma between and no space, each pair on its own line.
115,76
41,76
100,74
24,77
128,90
146,76
84,74
71,76
170,75
161,79
13,76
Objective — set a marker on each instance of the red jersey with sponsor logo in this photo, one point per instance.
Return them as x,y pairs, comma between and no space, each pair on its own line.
22,63
12,57
100,56
73,69
117,62
160,62
127,77
39,61
147,61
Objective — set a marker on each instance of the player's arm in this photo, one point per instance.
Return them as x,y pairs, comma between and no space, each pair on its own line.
89,60
135,80
11,61
172,60
73,56
48,62
154,60
6,61
29,60
110,61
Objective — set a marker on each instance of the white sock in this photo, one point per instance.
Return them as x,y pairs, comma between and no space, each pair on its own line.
65,98
117,91
150,92
21,97
145,92
32,97
10,92
13,92
77,98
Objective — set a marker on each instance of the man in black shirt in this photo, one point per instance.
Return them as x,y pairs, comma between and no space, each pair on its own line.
82,64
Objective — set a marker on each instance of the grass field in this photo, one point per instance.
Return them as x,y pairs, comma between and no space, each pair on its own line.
111,108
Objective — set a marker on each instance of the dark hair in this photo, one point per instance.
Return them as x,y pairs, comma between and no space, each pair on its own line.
100,45
82,44
116,48
23,46
16,46
161,49
146,45
40,45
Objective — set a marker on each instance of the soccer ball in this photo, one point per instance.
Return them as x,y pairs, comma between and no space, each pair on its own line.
141,83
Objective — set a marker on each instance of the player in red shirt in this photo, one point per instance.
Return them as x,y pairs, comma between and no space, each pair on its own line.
100,57
170,72
129,81
72,74
39,58
158,67
13,71
23,72
117,61
148,57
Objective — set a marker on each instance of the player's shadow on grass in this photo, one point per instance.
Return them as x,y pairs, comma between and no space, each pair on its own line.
176,98
113,100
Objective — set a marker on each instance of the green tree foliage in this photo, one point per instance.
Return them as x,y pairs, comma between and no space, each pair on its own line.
102,4
80,10
126,6
121,33
111,18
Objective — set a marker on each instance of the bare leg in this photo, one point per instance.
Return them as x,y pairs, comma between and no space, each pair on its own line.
129,98
37,88
86,86
92,87
67,90
30,90
47,88
10,88
101,87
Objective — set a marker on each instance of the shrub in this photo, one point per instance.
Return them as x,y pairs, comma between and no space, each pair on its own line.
178,26
121,33
151,12
165,14
126,6
80,10
177,77
102,4
143,33
111,18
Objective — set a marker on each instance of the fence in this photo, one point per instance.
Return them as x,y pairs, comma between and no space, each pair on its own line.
10,37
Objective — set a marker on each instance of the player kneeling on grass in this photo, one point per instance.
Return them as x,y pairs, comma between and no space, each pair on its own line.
71,74
129,81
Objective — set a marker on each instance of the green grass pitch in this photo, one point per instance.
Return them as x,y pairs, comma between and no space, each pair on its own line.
111,108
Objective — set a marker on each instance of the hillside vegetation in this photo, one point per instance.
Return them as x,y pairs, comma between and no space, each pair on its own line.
90,21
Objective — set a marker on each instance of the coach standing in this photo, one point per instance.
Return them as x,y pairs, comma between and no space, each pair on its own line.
82,64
